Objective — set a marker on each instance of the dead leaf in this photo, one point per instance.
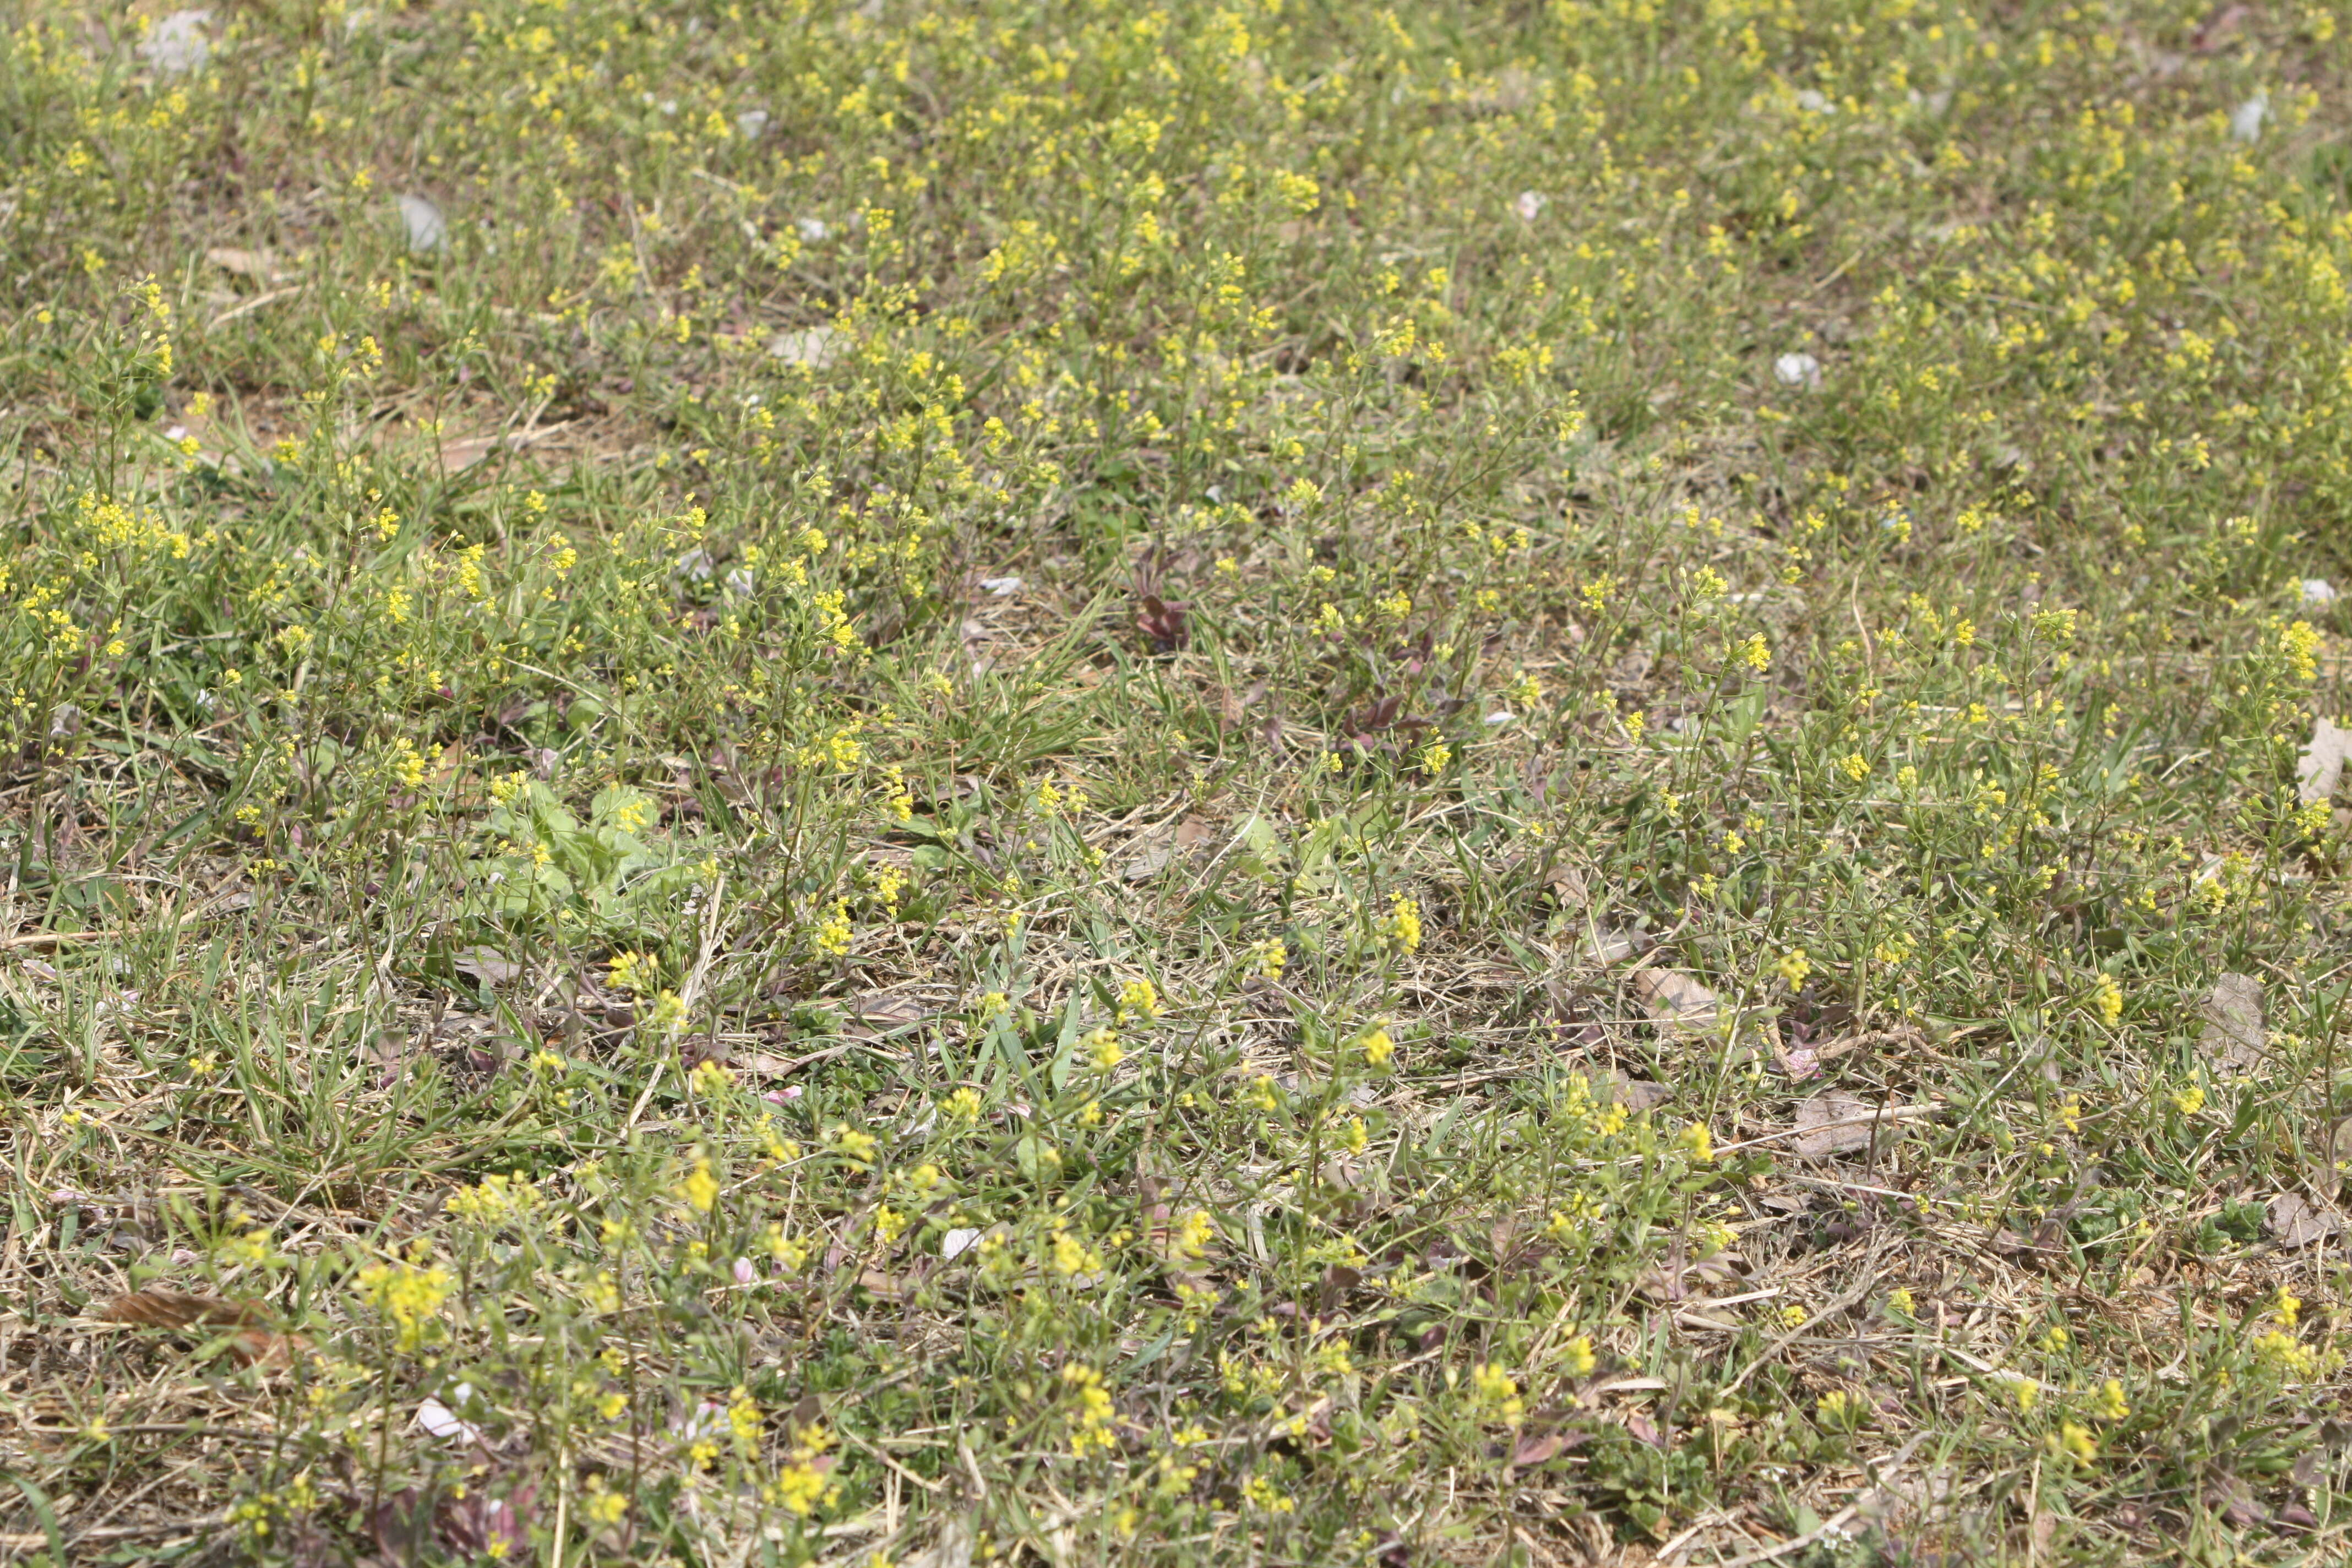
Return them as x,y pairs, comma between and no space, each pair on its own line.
2296,1221
1163,1234
951,1548
1603,945
1835,1124
388,1050
496,1527
403,1525
258,265
1566,885
1163,621
1534,1451
2321,767
2215,30
486,965
1636,1094
814,347
1159,851
761,1064
2233,1036
882,1286
881,1013
255,1340
2332,1161
1149,864
1677,1003
1339,1279
2235,1502
1908,1500
467,450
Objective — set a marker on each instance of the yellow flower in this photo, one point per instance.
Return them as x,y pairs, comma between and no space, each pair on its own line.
2108,998
1403,923
668,1015
700,1188
636,973
1138,999
834,935
2300,643
1498,1393
410,1296
2073,1440
1378,1047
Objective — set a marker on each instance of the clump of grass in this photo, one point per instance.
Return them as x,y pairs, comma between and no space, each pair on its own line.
1234,783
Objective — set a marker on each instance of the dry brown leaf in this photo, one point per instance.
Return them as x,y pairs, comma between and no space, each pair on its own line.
486,965
1534,1451
467,450
886,1287
258,265
2233,1037
255,1339
878,1013
387,1050
761,1064
2321,767
816,347
1163,1234
1911,1499
1153,859
1636,1094
1158,851
1603,945
1676,1002
1568,888
2297,1222
2332,1161
1837,1123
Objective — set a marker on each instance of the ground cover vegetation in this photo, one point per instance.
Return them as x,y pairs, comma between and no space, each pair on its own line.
1252,781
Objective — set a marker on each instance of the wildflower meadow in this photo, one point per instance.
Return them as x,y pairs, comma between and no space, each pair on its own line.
947,782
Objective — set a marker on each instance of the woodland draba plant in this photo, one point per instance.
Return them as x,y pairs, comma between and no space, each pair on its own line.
1219,783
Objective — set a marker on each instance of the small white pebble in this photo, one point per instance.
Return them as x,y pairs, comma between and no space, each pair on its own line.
2246,120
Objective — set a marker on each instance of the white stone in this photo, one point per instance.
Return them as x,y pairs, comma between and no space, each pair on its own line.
177,45
2246,120
427,229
